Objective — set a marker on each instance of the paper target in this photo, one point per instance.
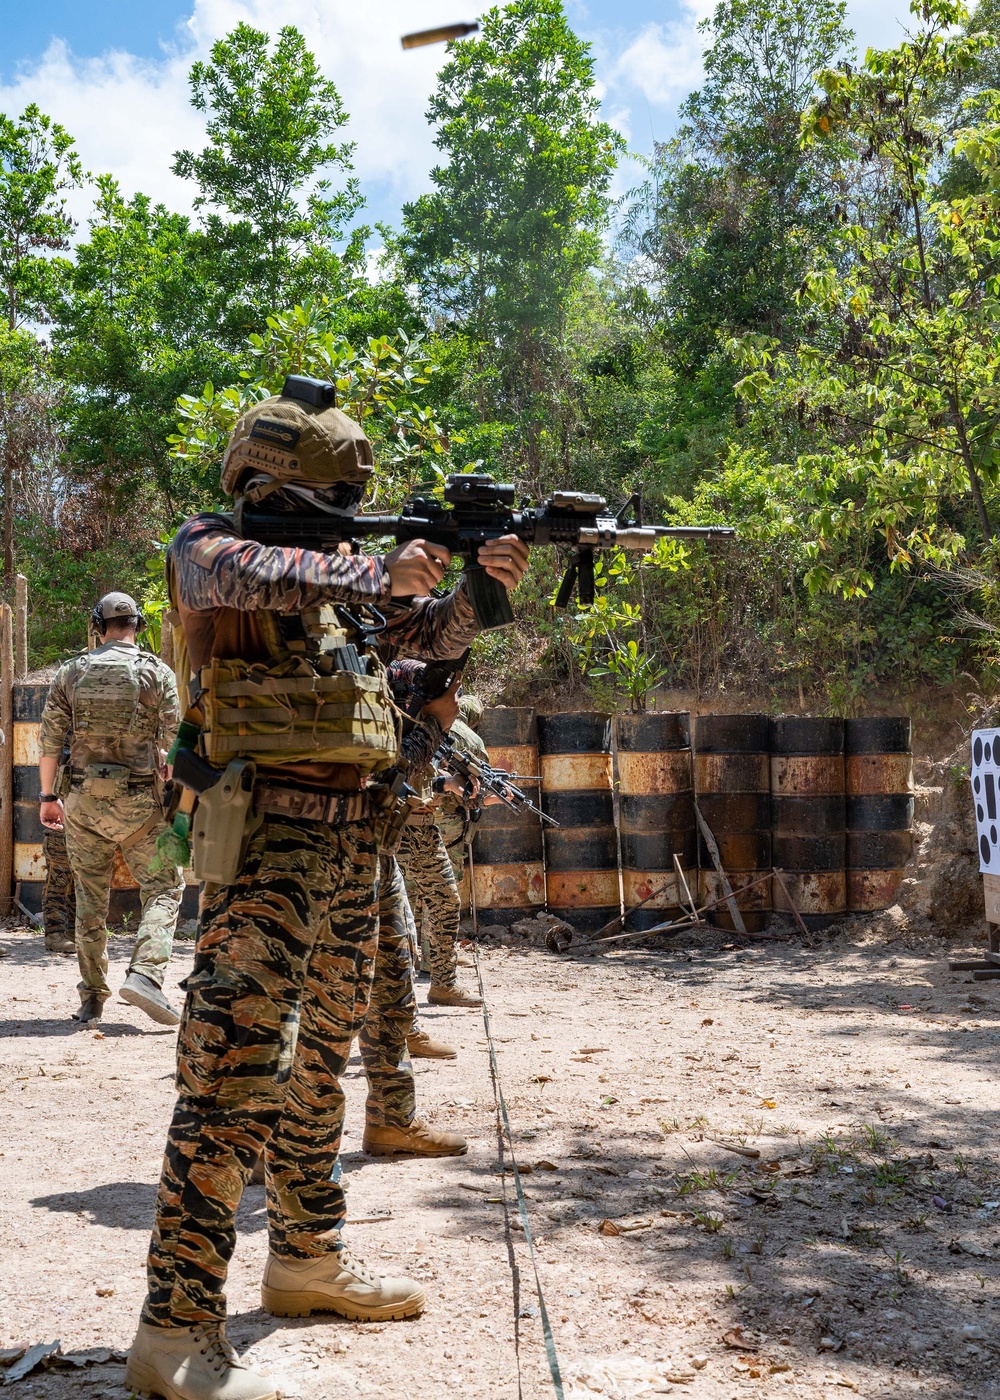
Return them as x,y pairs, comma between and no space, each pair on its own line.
986,795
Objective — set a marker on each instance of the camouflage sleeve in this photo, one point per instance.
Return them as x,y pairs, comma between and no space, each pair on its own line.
421,743
214,568
170,710
57,716
433,629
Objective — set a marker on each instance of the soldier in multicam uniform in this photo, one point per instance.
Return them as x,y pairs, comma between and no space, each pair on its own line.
288,949
121,705
58,895
427,868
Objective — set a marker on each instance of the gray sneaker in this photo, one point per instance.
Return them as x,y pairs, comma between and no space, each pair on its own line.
140,991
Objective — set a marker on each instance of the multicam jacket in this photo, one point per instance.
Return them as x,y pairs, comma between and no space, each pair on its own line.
119,702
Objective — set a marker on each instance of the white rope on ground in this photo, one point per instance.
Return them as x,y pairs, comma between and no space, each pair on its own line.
504,1135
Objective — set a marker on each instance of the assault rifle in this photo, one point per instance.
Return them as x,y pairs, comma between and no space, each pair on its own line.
476,509
495,782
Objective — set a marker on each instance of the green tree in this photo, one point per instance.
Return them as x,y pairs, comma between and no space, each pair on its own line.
894,396
137,327
734,204
520,201
271,215
38,165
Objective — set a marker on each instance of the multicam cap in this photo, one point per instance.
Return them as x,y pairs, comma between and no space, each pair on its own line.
291,440
116,606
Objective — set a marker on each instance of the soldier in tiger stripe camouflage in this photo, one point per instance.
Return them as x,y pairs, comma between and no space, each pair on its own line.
58,895
291,962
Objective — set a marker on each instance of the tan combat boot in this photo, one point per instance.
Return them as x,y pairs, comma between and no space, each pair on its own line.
337,1283
417,1139
423,1047
60,943
451,996
191,1363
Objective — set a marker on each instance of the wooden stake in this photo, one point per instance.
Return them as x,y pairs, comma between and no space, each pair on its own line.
6,758
713,851
20,627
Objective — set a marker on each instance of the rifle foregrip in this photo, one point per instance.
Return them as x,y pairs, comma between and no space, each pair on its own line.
488,598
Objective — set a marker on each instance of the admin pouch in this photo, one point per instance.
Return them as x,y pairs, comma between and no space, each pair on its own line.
105,780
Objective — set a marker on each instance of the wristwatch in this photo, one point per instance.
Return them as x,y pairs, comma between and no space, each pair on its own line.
48,797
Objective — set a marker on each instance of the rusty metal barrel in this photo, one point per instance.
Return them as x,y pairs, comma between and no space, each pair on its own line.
507,850
655,814
809,815
581,854
732,783
29,861
878,762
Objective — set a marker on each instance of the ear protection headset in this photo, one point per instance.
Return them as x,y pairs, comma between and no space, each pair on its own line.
100,623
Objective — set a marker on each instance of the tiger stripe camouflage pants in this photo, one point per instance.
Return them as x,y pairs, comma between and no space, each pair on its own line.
59,892
282,977
434,898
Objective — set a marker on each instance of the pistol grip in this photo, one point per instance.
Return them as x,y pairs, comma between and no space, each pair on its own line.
488,598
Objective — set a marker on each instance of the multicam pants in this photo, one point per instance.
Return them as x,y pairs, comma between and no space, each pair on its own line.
94,827
59,892
433,894
283,970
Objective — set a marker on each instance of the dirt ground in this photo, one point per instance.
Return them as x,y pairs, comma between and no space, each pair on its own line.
851,1244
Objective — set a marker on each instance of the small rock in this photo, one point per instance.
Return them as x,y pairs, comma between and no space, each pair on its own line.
830,1343
973,1332
699,1362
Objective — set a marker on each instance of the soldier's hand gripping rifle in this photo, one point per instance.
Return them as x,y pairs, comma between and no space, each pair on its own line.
478,509
491,782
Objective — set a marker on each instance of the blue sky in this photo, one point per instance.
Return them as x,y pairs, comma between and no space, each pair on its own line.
114,73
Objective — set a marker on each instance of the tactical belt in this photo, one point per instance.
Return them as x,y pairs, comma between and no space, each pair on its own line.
145,780
333,808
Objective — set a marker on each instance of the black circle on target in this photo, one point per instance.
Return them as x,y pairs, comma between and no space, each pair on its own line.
976,785
979,811
977,752
984,848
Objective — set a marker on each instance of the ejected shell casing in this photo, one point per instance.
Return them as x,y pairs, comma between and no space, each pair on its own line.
440,35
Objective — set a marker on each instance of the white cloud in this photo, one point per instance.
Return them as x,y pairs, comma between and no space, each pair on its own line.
129,115
664,60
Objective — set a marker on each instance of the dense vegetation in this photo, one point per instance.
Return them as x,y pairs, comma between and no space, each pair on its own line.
790,326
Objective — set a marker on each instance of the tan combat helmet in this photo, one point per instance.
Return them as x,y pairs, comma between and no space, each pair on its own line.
299,436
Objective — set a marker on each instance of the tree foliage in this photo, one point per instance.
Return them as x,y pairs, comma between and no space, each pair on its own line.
795,333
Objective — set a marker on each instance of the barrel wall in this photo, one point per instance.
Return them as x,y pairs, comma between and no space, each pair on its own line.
655,814
732,782
508,860
879,784
581,855
809,815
